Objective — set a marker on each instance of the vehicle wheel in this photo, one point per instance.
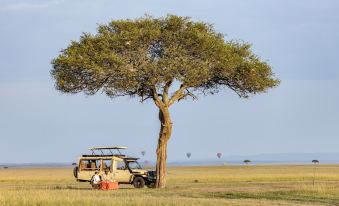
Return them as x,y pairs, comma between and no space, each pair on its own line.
139,182
151,185
75,172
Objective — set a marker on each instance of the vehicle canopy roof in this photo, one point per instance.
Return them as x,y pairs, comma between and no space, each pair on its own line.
100,157
107,153
107,150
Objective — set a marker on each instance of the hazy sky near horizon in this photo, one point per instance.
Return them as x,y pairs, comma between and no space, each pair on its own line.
300,40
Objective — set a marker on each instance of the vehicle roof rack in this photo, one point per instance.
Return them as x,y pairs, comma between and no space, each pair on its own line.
108,148
100,155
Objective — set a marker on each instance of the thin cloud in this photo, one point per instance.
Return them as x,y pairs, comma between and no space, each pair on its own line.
28,6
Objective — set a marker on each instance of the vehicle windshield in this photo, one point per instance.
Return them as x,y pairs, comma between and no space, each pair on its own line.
134,165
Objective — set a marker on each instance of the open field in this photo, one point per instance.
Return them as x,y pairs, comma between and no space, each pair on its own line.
219,185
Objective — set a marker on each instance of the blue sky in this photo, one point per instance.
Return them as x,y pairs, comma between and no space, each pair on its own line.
300,40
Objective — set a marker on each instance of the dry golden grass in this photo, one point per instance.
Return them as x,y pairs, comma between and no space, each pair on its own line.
220,185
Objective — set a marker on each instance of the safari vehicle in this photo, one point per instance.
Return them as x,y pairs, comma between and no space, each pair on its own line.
125,170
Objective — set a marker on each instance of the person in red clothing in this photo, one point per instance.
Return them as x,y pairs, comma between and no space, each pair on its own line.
106,179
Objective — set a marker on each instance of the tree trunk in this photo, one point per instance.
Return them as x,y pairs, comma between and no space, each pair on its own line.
164,135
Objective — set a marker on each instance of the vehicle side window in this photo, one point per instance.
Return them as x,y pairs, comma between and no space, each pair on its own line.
121,165
134,165
89,164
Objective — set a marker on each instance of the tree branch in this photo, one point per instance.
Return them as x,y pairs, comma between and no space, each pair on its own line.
177,95
188,93
145,98
156,98
165,92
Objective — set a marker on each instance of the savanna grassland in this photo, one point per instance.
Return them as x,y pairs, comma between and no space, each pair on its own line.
218,185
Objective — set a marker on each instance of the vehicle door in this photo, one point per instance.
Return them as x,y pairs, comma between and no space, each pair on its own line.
121,172
106,164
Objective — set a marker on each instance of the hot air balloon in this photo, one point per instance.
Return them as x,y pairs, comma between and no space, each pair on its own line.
188,154
219,155
143,153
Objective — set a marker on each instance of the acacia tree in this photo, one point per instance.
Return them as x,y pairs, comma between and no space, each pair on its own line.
163,59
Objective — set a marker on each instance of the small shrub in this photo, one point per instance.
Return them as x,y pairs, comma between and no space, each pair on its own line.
58,187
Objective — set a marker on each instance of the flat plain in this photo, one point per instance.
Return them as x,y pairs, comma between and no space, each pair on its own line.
212,185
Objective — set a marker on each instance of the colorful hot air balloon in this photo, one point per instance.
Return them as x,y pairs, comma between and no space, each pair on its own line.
143,153
219,155
188,154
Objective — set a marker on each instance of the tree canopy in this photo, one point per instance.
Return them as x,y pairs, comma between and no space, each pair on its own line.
143,57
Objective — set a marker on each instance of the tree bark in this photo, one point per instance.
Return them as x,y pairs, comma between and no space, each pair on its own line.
164,135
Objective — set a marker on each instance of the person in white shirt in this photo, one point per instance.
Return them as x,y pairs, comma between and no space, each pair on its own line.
95,180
